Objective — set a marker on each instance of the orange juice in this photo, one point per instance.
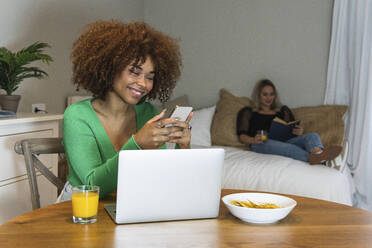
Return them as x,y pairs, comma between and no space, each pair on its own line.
84,204
263,134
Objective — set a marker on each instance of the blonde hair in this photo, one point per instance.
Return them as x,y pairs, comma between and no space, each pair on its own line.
257,91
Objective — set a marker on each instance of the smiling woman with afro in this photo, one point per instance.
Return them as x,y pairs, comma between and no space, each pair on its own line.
122,65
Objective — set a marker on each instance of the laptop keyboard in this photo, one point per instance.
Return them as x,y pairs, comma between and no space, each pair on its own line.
111,210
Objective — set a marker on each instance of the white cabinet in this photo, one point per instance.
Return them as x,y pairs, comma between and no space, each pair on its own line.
15,198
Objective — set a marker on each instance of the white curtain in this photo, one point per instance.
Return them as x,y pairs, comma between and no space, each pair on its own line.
349,82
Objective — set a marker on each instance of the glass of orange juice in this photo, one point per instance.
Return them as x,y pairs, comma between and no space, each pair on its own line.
263,134
85,204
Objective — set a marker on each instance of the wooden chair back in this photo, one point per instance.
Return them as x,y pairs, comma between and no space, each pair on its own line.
30,149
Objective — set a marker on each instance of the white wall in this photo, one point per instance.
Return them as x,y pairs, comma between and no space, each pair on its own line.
58,23
234,43
227,44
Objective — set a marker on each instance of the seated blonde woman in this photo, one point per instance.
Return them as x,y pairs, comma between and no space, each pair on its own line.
305,147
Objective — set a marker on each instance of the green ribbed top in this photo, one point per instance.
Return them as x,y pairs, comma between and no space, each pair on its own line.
91,156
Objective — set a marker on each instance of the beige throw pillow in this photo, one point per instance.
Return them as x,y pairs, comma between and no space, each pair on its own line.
223,129
326,120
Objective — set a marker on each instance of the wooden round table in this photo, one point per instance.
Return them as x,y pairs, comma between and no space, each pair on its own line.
313,223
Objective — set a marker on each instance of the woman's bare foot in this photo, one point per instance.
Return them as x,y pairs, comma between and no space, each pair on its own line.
327,154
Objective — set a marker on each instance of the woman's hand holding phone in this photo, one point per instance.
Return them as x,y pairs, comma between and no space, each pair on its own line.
180,132
151,135
157,130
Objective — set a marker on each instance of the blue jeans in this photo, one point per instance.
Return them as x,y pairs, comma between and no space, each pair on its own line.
297,148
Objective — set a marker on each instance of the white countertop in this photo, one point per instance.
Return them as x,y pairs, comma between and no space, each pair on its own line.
29,117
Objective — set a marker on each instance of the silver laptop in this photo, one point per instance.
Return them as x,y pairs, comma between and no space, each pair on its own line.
167,184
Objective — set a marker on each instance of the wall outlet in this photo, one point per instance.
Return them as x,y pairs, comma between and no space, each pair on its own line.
38,108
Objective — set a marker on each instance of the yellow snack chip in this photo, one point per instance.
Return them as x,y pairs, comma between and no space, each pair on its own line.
250,204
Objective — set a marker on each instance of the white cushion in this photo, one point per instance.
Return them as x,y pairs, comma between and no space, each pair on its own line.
201,126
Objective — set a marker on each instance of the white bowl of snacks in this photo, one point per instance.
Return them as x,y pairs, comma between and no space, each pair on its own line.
261,208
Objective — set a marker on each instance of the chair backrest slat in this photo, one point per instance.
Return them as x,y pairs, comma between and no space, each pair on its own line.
41,146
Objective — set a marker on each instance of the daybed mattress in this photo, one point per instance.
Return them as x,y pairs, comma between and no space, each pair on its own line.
271,173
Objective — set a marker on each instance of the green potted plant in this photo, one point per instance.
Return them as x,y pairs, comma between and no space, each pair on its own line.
14,68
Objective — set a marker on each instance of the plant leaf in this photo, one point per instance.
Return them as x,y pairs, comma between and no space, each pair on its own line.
36,47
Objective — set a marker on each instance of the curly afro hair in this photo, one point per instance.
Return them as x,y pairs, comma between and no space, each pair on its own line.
106,48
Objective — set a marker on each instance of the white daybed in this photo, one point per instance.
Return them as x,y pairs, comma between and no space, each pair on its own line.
244,169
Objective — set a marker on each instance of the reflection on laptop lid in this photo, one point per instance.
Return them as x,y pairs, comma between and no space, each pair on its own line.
161,185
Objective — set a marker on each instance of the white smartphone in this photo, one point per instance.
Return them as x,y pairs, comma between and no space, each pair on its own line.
181,113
